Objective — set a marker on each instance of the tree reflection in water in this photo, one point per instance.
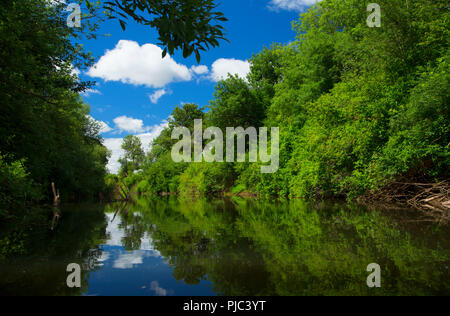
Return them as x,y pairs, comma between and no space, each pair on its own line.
249,247
239,247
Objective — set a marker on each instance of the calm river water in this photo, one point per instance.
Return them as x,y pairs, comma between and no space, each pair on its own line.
163,247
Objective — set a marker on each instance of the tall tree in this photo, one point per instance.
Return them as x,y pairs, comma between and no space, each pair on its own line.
43,121
235,104
134,154
181,117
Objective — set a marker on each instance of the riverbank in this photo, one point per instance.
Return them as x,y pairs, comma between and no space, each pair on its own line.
433,199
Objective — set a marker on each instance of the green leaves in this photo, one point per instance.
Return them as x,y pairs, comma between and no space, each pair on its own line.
134,154
356,106
235,104
187,25
43,121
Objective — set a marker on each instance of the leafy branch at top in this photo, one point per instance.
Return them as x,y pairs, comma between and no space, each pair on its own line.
189,25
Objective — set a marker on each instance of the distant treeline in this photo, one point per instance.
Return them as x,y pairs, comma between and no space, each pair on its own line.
358,108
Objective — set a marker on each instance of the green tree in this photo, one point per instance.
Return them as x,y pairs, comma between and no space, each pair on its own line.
43,122
265,73
184,116
358,107
235,104
134,154
181,117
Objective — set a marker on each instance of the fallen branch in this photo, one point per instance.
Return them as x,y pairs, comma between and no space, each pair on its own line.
432,198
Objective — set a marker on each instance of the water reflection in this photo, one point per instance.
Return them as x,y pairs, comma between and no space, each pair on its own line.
233,247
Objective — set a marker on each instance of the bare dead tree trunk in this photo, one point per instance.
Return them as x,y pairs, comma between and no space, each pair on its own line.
56,203
56,196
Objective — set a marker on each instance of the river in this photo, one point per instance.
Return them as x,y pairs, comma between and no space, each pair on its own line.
233,247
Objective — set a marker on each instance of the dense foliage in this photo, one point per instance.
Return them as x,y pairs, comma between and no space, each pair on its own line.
46,132
357,107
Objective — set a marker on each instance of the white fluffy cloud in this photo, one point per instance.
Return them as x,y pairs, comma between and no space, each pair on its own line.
154,98
129,124
131,63
200,70
292,5
115,144
222,67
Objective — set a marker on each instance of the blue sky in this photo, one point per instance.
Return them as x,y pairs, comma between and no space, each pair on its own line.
137,90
